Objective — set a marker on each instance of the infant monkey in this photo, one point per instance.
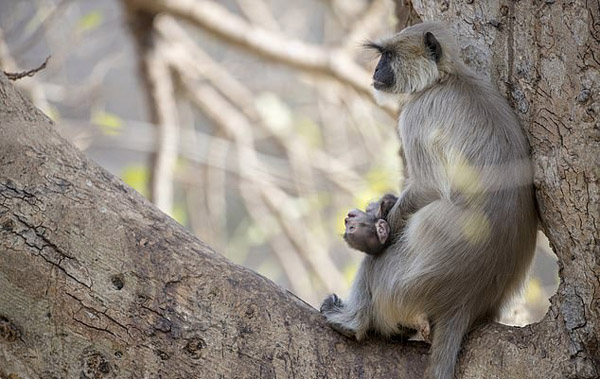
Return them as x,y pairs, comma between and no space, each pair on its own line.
369,232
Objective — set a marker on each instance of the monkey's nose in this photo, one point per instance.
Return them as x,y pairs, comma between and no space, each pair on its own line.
351,214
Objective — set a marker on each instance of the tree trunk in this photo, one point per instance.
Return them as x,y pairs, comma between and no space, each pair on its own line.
545,56
97,283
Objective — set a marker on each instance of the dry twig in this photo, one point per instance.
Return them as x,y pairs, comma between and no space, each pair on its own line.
28,73
160,92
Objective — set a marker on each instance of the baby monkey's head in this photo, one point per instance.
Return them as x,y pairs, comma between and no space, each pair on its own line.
369,231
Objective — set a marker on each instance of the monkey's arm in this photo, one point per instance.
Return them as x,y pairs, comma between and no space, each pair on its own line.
413,197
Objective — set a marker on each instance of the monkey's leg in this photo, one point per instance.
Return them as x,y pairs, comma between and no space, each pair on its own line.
447,338
447,264
351,317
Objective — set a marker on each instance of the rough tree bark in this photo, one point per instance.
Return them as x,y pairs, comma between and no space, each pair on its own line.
545,56
97,283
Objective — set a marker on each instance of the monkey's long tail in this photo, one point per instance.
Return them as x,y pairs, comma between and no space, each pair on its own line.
448,334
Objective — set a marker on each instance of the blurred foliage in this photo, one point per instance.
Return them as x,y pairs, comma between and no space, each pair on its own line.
379,181
534,292
179,213
90,21
136,176
109,123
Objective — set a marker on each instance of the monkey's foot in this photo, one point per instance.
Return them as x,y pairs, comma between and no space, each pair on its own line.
342,329
333,306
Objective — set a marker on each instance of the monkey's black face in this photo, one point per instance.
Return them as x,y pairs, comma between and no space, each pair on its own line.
408,63
383,77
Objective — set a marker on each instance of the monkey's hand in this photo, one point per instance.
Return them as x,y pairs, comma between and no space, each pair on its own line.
382,207
331,308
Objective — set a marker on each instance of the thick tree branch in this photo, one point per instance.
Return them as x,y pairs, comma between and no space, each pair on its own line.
405,12
123,285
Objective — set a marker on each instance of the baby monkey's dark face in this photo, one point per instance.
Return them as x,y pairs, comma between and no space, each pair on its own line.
368,231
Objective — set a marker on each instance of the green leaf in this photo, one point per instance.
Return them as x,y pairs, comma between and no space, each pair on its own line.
109,123
534,291
179,213
90,21
380,180
137,177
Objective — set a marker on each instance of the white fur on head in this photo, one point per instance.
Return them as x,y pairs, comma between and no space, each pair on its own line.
385,98
420,75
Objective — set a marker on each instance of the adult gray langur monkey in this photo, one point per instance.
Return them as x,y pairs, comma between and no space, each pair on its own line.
463,230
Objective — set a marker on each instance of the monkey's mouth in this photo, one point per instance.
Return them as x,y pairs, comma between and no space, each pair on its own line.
381,86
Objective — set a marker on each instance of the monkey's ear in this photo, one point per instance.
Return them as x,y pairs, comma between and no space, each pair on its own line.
383,231
433,47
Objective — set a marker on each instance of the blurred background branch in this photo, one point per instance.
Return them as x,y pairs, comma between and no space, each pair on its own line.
221,23
248,121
